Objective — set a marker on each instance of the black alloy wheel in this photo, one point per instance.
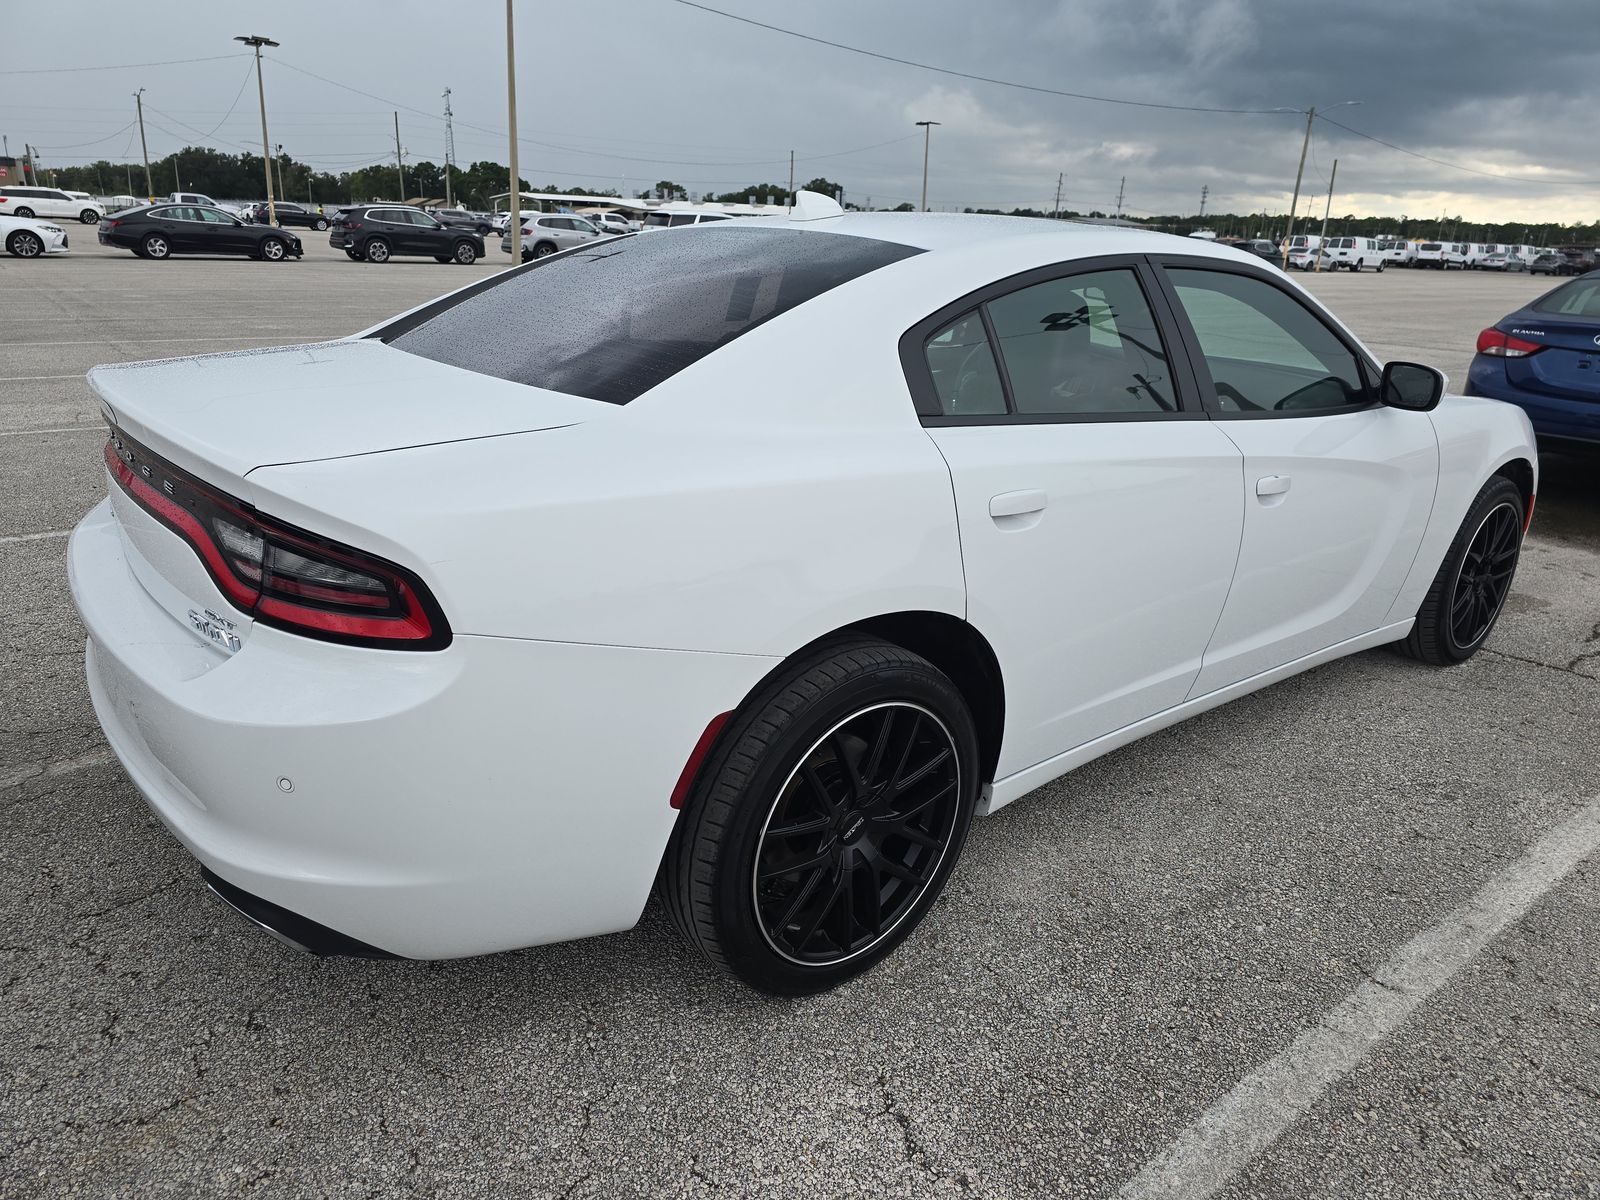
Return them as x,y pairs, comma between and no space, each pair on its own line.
24,211
1484,577
857,834
1470,588
25,244
89,217
826,819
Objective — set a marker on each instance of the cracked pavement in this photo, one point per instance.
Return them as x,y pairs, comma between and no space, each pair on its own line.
1113,953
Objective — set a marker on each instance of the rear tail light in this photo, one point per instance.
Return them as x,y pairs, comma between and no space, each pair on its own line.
352,224
1496,344
276,573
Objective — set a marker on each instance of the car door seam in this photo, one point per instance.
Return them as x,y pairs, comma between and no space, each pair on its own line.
1238,557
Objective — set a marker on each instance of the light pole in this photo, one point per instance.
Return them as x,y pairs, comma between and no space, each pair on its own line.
514,221
281,192
1305,144
149,186
927,132
261,94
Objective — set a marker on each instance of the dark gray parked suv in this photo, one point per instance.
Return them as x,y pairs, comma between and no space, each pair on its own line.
379,232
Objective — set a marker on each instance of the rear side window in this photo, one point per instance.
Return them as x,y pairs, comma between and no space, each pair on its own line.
1580,298
611,320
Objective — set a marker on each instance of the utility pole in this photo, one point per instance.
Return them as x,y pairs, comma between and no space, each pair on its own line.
1121,187
261,94
1311,115
399,158
1055,213
449,149
927,133
791,177
1205,190
281,192
514,223
1322,237
149,186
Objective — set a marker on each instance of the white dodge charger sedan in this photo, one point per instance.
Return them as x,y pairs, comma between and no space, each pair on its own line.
756,558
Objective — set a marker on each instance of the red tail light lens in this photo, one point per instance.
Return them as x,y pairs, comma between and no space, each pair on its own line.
1502,345
276,573
527,229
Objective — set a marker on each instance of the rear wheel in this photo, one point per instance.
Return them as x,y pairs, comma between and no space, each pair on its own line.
377,250
24,243
24,211
1470,589
156,246
353,255
544,250
89,217
1358,264
319,224
827,820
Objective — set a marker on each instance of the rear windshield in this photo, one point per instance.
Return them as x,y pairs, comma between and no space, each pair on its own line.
612,320
1580,298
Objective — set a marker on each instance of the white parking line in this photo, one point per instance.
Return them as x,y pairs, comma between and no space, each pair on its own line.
57,429
37,378
34,537
1241,1125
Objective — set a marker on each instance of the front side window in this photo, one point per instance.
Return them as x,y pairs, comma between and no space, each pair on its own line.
610,320
1083,345
1266,352
964,373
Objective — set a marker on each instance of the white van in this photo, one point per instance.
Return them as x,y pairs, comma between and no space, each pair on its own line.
1431,254
48,202
1303,241
1353,254
1398,253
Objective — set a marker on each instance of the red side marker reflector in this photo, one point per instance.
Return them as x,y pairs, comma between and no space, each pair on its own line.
1528,521
697,756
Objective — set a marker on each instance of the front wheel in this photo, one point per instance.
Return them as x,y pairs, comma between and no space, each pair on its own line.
24,243
1469,591
827,820
274,249
465,254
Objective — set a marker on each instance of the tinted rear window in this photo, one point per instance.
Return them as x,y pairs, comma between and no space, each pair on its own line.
1580,298
612,321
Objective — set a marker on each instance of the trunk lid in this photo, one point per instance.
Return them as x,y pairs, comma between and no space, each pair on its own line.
220,416
1568,367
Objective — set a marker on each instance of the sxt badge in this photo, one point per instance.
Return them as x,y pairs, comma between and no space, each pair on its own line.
216,629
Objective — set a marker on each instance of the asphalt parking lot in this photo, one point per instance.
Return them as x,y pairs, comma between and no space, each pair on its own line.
1347,921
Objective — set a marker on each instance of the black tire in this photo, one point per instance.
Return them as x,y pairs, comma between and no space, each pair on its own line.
544,250
1356,266
376,250
353,255
319,224
155,246
527,255
273,249
465,254
89,217
24,211
1468,593
441,258
789,745
24,243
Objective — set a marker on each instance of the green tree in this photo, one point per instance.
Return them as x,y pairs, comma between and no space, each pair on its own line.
668,190
826,186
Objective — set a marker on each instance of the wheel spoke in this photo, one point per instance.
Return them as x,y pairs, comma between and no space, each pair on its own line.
822,911
852,779
800,863
818,788
800,897
922,771
903,815
872,909
814,825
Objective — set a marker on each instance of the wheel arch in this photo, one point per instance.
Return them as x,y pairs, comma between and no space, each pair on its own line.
1520,472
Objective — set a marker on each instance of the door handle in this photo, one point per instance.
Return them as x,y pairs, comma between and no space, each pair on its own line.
1272,485
1017,504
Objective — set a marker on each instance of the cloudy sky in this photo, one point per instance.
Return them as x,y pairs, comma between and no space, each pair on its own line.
622,93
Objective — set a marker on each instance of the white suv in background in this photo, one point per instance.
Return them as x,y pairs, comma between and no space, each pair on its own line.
543,234
48,202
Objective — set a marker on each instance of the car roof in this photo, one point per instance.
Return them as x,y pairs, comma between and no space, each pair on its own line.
935,232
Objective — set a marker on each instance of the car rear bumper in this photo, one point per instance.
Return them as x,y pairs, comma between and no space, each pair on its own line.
1551,416
496,794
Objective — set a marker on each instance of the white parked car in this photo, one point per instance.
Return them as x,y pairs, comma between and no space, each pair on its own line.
1306,258
761,558
1353,254
202,199
24,238
48,202
544,234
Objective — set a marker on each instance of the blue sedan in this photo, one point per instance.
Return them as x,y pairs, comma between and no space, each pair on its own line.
1546,358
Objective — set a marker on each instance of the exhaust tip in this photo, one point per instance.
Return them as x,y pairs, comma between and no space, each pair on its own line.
288,927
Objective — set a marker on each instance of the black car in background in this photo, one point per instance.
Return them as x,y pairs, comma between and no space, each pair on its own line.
379,232
460,218
162,230
1259,247
1551,263
289,213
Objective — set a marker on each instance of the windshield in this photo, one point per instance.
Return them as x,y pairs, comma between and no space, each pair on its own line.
612,319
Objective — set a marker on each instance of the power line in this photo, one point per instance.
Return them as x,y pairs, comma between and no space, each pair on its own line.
1444,162
171,62
1026,87
97,141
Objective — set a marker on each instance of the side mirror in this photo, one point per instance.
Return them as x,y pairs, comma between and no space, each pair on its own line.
1411,386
